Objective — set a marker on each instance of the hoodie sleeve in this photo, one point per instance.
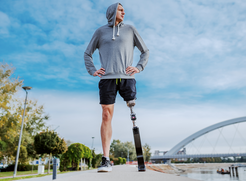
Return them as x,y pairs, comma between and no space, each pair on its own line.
93,45
144,57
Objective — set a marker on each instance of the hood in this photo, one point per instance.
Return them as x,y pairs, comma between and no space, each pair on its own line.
111,14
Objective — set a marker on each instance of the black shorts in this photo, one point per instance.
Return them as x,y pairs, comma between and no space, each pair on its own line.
108,90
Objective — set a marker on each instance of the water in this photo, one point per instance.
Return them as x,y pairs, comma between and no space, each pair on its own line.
208,174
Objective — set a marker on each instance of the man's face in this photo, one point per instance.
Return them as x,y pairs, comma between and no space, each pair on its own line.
120,13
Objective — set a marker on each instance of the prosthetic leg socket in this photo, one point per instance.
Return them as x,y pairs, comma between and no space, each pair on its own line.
131,104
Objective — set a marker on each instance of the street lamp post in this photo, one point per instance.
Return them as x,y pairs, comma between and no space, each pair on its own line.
92,142
91,149
18,150
128,155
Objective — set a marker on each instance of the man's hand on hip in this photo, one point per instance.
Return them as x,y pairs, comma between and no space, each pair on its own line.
99,72
131,70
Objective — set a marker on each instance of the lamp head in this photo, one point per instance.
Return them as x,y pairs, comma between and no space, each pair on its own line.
27,88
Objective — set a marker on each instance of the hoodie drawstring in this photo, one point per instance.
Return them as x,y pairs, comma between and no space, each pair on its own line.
118,32
113,32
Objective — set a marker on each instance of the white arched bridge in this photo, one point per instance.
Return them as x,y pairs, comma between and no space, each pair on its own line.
173,152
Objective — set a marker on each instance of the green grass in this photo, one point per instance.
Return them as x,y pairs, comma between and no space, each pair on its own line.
6,174
25,173
25,177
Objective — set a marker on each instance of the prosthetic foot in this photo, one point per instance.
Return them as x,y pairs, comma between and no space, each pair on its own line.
136,135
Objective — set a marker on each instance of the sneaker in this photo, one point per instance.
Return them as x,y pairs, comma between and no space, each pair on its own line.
105,166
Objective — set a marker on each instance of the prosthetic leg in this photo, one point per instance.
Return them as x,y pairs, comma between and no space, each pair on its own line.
136,135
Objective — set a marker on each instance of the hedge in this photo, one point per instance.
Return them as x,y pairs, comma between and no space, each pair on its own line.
21,167
119,161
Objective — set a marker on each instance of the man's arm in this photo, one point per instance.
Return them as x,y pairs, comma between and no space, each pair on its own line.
93,45
144,57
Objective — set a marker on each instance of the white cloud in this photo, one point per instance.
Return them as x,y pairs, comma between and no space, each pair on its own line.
4,24
191,41
162,125
22,59
188,40
194,45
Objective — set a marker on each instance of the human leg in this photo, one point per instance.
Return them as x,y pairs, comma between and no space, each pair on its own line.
106,127
108,91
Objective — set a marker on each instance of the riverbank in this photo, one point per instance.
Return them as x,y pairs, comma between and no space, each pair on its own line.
187,168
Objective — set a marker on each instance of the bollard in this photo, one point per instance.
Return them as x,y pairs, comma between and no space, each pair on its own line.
236,171
54,169
232,168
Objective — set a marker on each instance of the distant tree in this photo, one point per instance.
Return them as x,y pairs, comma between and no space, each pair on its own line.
74,154
69,142
146,152
31,152
217,159
3,147
113,145
49,142
23,156
11,111
8,121
120,149
188,160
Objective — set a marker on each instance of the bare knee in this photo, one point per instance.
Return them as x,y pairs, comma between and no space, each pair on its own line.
106,117
107,113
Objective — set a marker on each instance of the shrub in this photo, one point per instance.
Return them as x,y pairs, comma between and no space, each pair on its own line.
72,157
96,160
115,160
22,167
124,161
47,165
119,160
64,163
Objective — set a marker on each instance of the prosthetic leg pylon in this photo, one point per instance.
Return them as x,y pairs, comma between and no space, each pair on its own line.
136,135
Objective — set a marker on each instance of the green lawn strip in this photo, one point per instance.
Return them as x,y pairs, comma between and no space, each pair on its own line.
6,174
20,178
31,176
29,172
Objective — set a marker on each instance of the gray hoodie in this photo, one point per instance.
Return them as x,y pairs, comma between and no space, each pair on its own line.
115,48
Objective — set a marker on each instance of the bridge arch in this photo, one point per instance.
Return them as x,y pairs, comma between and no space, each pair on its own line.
206,130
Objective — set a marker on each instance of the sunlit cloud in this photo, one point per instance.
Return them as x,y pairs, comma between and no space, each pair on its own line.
196,66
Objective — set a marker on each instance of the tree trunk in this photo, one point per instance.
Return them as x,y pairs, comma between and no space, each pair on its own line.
32,165
81,164
49,163
84,164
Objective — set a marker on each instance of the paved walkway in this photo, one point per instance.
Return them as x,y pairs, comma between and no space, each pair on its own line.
119,173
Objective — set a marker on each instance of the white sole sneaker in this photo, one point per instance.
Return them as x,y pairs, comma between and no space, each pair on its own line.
104,169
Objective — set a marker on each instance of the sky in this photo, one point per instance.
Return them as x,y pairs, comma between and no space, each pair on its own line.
195,76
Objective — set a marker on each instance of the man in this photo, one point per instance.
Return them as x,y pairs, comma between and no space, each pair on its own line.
116,72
